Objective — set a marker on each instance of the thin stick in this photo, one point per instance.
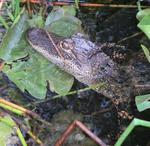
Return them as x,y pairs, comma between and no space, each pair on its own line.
89,133
58,51
102,111
142,86
1,4
1,66
88,4
23,110
70,93
71,127
65,134
129,37
29,8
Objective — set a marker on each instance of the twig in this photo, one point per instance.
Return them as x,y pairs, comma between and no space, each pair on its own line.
102,111
58,51
79,124
1,4
88,4
89,133
25,111
70,93
65,134
129,37
18,109
142,86
29,8
1,65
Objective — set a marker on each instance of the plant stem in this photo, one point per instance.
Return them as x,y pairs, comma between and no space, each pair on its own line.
70,93
22,140
135,122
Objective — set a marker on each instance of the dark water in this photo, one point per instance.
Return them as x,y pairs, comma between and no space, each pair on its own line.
111,25
104,25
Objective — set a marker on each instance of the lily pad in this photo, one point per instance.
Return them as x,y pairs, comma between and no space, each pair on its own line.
34,73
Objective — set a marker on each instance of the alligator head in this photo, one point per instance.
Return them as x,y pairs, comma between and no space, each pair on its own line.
76,55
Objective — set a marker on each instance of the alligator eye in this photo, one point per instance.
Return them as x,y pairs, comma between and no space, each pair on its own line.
64,45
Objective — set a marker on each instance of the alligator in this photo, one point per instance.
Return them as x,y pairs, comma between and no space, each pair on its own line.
86,61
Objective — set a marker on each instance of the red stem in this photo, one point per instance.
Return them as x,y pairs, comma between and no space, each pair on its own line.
71,127
87,4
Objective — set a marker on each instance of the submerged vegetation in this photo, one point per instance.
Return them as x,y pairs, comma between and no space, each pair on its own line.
36,76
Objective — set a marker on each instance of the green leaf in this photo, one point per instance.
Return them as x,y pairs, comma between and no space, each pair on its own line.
17,8
6,129
142,102
55,15
36,21
66,26
33,74
144,25
70,10
141,14
12,38
60,12
146,52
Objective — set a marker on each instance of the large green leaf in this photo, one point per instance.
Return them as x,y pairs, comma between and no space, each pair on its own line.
142,102
11,40
144,25
32,75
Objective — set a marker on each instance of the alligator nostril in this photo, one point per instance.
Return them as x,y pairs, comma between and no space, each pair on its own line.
102,68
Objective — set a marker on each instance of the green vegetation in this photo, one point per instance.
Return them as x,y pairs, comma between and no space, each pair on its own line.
8,127
30,71
14,47
143,16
